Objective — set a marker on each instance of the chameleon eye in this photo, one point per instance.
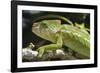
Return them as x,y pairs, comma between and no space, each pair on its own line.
43,25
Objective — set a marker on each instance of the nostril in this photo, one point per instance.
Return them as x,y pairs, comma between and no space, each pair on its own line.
34,24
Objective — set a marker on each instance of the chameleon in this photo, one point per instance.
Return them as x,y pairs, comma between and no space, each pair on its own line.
72,35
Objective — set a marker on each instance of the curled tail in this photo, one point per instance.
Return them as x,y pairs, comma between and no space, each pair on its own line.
53,16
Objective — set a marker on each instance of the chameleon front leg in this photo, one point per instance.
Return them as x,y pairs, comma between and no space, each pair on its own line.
55,46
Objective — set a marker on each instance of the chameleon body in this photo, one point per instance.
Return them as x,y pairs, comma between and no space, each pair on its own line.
76,37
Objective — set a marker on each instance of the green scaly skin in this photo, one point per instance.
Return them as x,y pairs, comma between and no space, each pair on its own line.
76,37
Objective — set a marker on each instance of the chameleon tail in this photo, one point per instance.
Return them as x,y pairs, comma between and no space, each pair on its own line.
53,16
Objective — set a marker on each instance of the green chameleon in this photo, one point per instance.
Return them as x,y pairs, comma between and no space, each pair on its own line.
74,36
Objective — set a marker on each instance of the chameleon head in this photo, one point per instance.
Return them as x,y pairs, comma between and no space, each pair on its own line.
46,25
46,29
40,29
